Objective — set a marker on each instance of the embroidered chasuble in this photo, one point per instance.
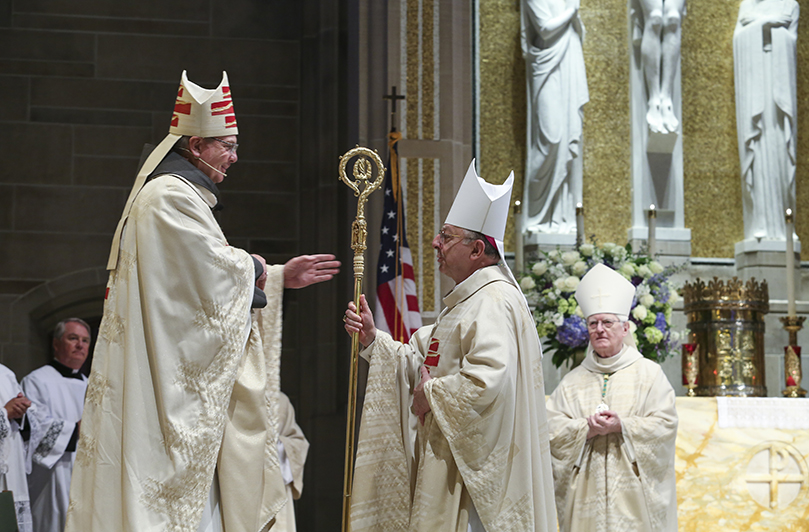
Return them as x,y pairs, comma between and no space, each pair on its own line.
622,481
485,442
184,380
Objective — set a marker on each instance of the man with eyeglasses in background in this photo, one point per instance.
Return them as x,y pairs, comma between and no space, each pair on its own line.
454,431
613,423
178,430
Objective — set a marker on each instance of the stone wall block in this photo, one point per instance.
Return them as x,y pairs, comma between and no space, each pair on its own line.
259,215
95,117
248,106
49,147
105,171
15,98
46,45
105,94
109,140
260,176
52,209
30,256
179,10
6,207
144,58
19,67
269,138
106,25
257,20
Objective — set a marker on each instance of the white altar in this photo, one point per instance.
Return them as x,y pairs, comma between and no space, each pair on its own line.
742,464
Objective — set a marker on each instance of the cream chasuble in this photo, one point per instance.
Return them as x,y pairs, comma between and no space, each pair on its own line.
617,482
184,378
486,438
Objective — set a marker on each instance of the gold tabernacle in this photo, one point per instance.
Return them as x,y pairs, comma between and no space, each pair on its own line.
726,320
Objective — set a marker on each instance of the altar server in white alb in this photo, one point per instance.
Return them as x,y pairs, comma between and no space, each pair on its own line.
478,457
613,424
26,435
292,450
180,428
57,390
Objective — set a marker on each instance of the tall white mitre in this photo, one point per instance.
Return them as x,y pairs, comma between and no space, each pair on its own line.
481,206
604,291
197,112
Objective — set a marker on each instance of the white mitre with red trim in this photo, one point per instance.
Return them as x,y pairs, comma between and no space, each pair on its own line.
197,112
203,112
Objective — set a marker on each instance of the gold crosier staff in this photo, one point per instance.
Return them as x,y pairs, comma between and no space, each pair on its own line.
362,185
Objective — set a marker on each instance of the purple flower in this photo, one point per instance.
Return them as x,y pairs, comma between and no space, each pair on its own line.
660,292
573,332
660,321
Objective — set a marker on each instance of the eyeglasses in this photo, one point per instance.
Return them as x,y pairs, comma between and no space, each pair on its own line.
231,146
445,237
607,324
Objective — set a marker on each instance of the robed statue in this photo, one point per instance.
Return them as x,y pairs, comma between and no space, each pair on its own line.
764,64
552,35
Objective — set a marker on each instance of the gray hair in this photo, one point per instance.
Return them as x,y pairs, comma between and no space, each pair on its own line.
59,331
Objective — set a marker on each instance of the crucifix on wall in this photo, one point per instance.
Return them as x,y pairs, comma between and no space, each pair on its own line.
393,97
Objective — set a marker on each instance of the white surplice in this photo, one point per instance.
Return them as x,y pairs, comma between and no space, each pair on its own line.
49,482
47,437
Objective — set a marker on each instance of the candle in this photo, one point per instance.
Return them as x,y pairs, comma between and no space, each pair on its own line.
579,224
652,230
790,265
519,253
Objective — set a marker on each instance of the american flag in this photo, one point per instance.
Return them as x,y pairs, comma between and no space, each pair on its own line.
397,306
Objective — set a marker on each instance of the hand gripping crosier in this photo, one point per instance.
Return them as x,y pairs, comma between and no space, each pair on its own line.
362,185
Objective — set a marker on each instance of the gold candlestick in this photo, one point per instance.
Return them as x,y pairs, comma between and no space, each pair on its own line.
362,185
792,357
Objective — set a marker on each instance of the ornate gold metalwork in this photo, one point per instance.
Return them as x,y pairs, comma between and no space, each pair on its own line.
717,294
362,184
792,357
727,320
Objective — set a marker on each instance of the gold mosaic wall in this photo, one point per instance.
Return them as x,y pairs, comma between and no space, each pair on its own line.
712,184
802,172
502,98
420,122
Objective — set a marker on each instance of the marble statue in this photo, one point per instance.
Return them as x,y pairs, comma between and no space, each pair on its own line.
552,35
764,64
658,26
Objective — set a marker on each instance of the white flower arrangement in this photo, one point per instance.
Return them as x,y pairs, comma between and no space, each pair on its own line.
550,288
